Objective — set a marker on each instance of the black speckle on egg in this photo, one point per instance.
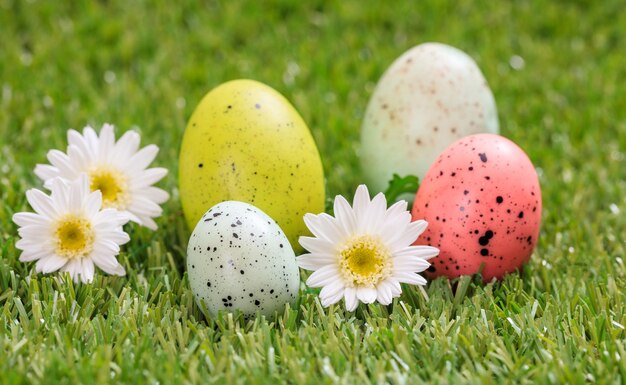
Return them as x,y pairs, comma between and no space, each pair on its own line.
483,157
499,199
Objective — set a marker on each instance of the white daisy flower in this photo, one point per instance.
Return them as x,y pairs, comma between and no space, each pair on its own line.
364,252
70,231
117,169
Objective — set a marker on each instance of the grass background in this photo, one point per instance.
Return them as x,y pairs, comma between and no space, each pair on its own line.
145,65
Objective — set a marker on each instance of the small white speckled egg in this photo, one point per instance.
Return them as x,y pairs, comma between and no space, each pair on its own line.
238,258
427,99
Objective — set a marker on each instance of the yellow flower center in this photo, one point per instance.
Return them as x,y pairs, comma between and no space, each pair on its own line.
112,184
364,261
74,237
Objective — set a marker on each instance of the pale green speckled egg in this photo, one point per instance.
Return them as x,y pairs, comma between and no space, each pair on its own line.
427,99
238,258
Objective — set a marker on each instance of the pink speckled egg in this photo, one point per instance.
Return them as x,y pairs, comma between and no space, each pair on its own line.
482,201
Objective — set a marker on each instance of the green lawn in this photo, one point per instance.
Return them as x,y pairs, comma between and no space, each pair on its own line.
146,66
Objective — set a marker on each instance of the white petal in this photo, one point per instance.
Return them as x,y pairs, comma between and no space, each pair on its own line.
78,193
30,255
327,301
396,289
106,246
323,276
88,270
27,219
373,219
143,206
61,161
146,222
28,244
323,226
59,194
154,194
315,261
398,207
92,142
350,298
119,271
408,236
41,203
45,171
118,237
106,142
345,216
92,204
411,278
75,138
366,294
104,259
80,159
126,146
410,264
142,159
384,293
109,264
396,218
425,252
35,232
109,219
73,266
332,289
361,203
317,245
148,177
50,263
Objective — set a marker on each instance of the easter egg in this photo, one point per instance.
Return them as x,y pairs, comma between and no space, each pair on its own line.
482,201
238,258
430,97
246,142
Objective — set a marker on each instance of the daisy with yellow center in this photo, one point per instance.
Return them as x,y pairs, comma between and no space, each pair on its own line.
364,252
70,231
117,169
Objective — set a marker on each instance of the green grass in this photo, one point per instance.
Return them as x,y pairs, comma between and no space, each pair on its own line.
145,66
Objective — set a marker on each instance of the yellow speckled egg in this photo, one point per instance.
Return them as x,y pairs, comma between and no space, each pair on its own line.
246,142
